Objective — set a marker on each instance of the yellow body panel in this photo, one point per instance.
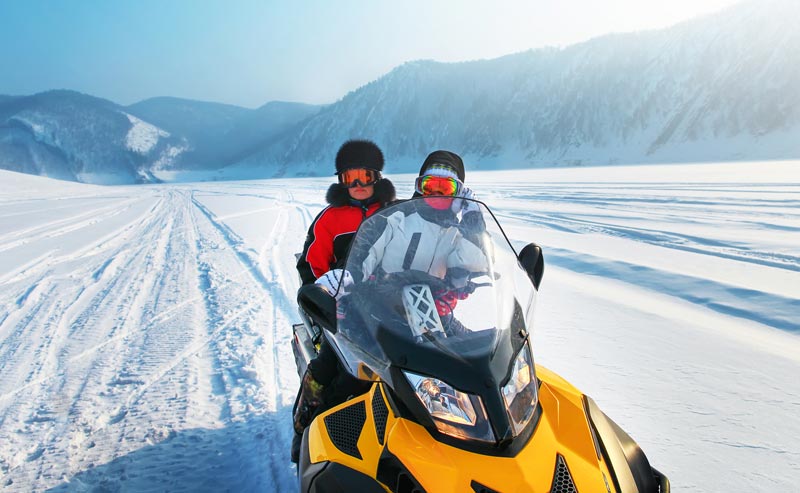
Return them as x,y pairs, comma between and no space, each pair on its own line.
321,448
563,429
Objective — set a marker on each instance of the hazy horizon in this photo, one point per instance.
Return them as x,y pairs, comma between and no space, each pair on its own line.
259,52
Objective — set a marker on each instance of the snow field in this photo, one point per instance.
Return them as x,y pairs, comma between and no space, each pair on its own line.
144,331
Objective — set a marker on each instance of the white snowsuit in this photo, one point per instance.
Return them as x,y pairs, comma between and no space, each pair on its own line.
414,243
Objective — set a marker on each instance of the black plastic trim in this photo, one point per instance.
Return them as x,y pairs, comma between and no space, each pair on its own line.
562,477
380,414
532,262
595,438
394,474
663,482
630,470
337,478
481,488
345,426
320,306
307,471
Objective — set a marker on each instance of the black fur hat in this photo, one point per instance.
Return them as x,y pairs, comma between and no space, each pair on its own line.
359,154
444,159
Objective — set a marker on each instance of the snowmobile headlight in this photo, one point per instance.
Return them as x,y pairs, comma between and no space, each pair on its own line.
455,413
521,392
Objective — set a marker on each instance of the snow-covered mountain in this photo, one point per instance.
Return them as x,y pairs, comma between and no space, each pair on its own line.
720,87
219,133
198,122
72,136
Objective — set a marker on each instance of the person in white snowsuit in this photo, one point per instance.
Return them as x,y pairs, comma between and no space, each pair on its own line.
432,239
413,242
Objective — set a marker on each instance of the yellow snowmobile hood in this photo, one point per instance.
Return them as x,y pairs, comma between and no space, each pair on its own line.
564,454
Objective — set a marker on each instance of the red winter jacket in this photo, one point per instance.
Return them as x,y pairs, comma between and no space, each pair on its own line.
332,231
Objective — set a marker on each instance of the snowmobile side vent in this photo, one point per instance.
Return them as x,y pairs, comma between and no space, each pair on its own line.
392,473
479,488
344,428
562,479
380,412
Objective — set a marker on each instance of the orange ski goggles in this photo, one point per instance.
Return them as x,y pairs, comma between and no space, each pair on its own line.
437,185
359,177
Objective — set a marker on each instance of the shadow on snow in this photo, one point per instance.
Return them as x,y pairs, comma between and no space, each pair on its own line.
246,456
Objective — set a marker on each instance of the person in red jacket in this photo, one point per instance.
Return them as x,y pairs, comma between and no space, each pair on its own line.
359,193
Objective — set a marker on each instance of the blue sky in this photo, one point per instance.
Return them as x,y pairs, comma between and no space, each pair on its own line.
249,52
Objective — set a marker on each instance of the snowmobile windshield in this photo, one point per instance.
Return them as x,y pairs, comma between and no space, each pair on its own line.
432,291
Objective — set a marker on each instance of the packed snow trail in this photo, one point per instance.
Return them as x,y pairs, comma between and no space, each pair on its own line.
165,330
144,331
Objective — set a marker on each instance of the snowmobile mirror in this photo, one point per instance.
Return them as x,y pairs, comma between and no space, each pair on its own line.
315,301
532,260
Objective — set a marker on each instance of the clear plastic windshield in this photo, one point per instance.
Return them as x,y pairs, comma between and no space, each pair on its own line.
425,277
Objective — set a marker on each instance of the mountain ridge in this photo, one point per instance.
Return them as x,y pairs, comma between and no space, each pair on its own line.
719,87
650,96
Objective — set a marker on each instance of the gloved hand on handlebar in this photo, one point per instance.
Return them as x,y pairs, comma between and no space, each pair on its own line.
336,282
465,205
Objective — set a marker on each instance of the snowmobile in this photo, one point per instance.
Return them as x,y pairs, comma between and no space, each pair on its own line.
455,401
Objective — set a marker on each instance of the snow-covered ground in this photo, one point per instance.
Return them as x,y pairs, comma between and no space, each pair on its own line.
144,330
